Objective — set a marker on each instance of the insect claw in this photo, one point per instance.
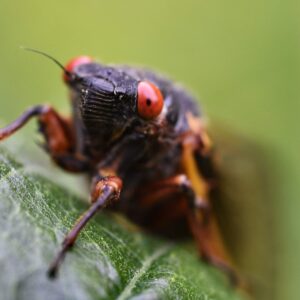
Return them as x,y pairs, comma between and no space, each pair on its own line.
54,266
53,269
52,273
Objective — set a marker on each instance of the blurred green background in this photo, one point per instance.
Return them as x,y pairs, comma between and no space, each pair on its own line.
242,58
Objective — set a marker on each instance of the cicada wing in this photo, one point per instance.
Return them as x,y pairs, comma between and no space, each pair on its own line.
242,202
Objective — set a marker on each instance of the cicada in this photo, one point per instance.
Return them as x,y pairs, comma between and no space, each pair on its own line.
143,141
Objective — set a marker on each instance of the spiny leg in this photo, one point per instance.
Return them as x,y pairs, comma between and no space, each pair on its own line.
58,133
201,221
105,191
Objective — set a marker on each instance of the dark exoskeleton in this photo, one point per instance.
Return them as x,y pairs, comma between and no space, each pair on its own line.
144,143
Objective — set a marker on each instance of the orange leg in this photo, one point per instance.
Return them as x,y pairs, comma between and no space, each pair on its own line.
200,219
211,246
58,133
174,186
167,201
207,234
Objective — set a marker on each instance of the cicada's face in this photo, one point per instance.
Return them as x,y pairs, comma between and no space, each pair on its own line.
111,101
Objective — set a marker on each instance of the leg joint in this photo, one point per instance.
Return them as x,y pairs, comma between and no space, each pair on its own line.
113,182
184,183
186,188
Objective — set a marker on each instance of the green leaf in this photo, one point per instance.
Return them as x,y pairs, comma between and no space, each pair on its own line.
110,260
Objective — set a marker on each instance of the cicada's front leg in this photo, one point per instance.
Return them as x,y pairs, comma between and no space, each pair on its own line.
58,133
105,190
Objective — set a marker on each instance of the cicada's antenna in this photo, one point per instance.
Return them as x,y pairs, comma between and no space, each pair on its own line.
69,74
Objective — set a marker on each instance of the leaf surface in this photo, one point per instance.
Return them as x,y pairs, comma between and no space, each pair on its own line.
109,260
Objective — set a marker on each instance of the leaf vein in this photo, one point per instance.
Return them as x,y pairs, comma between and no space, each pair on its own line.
142,270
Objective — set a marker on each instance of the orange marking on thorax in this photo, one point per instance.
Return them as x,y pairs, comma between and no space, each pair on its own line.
190,168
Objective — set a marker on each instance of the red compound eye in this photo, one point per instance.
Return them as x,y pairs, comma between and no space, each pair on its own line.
150,101
75,62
